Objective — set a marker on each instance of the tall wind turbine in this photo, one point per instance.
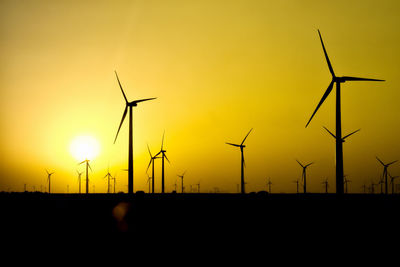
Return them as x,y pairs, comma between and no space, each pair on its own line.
152,158
48,179
79,180
392,181
339,143
241,146
115,180
129,105
385,173
109,177
181,176
162,152
87,174
303,176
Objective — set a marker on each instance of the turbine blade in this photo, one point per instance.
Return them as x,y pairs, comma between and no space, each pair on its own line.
351,134
329,132
308,164
327,92
232,144
246,136
166,158
326,55
162,141
149,151
299,163
380,161
89,167
347,78
148,166
122,121
82,162
391,163
142,100
120,86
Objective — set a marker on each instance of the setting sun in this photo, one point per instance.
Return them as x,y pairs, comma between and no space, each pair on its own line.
84,147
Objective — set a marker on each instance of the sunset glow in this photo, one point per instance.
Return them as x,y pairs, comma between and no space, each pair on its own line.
84,147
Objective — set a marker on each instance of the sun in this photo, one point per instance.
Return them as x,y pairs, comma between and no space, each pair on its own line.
84,147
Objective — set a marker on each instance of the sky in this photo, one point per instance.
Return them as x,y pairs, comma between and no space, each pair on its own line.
218,68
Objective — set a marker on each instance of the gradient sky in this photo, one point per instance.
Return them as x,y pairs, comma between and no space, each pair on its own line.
217,68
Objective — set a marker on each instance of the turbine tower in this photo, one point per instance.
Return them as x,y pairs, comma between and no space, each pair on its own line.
303,176
162,152
241,146
326,185
269,185
339,144
129,105
385,173
48,179
87,174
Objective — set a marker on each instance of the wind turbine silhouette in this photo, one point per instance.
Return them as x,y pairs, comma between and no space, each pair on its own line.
303,176
152,158
129,105
346,181
326,185
269,185
339,143
392,181
79,180
108,176
115,180
49,178
148,181
297,185
385,172
181,176
162,152
87,174
241,146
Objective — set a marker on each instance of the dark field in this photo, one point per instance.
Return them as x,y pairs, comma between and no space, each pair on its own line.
201,216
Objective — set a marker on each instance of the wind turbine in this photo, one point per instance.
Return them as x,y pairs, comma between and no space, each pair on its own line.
346,181
108,176
392,181
152,158
269,185
385,173
79,180
162,152
149,178
87,174
339,144
241,146
48,179
326,185
198,187
115,180
181,176
129,105
303,176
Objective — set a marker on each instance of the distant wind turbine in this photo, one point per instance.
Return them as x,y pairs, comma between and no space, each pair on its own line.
162,152
79,180
385,173
87,174
297,185
303,176
108,176
48,179
115,180
149,178
392,181
152,158
346,181
241,146
129,105
339,143
181,176
269,185
326,185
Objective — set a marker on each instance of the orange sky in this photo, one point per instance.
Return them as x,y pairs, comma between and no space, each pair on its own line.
217,68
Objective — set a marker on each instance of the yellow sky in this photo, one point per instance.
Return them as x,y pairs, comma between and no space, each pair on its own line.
217,68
